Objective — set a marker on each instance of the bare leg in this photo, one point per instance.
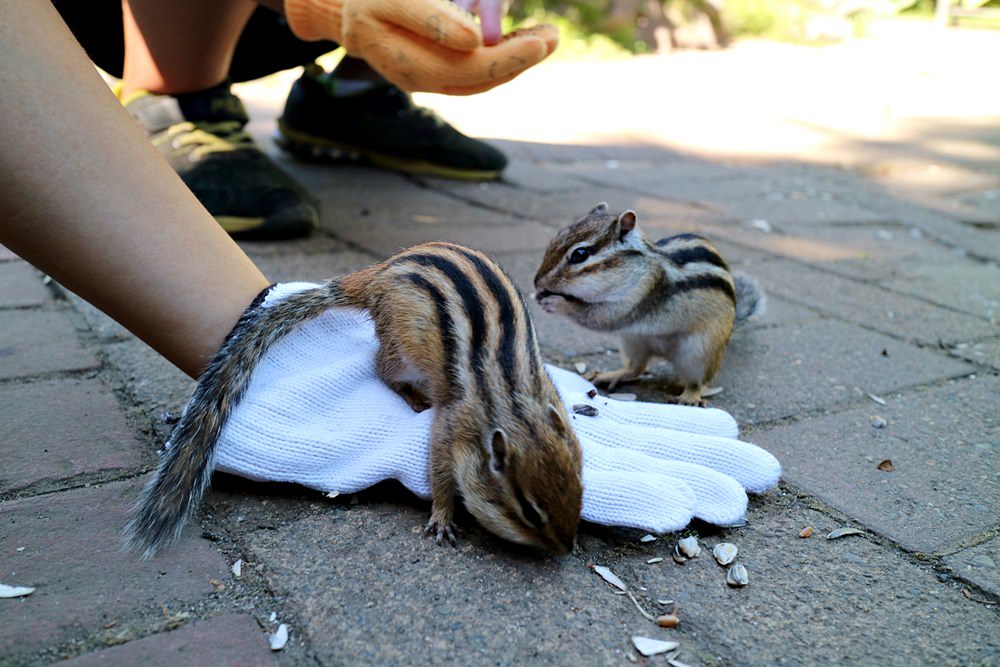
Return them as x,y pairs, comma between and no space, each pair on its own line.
180,46
89,201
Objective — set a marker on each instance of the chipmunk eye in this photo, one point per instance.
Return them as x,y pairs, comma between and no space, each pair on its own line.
579,255
528,510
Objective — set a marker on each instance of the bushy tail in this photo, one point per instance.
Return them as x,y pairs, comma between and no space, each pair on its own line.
185,467
750,300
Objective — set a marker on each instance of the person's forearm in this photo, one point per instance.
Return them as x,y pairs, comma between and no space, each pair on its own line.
89,201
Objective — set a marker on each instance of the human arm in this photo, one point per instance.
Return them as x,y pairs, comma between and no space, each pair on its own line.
91,203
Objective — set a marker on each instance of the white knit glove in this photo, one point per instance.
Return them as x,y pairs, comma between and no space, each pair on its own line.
316,414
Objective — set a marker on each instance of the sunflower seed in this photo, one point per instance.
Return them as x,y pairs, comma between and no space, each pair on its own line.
580,367
647,538
711,391
622,397
653,561
667,621
724,552
737,576
238,568
585,410
877,399
886,466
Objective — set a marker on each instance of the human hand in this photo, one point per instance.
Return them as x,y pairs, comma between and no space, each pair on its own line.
316,414
423,45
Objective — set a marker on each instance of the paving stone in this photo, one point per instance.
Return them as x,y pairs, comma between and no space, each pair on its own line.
371,591
869,305
650,177
22,286
799,365
59,429
33,342
319,267
557,209
233,640
72,556
979,564
959,283
941,225
984,352
799,212
388,239
155,386
536,177
944,445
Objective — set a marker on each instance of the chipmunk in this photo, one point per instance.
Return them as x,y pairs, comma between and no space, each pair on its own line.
674,298
454,332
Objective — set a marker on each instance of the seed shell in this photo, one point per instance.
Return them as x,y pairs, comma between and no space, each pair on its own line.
689,547
844,532
725,553
737,576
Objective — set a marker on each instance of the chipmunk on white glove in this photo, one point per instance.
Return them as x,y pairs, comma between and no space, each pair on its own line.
308,406
674,298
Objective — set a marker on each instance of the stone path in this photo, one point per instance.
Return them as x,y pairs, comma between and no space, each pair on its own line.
881,343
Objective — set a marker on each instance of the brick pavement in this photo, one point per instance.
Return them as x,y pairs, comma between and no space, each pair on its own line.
876,291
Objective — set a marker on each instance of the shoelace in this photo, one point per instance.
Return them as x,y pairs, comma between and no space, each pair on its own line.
196,140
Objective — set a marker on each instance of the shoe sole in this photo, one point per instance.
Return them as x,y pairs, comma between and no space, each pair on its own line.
287,224
310,148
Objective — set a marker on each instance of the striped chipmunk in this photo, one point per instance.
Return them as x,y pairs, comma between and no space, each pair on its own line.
674,298
454,333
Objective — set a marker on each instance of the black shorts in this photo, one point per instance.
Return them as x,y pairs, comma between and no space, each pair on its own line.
267,44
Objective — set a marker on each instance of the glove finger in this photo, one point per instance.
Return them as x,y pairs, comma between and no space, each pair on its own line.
754,468
710,421
419,65
636,500
719,499
703,421
440,21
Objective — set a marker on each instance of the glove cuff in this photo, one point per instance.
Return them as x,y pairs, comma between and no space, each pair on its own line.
313,20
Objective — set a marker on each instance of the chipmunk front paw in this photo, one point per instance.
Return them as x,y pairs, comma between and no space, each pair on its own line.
442,529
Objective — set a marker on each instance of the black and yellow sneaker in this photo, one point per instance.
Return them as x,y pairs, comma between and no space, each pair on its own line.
201,136
330,120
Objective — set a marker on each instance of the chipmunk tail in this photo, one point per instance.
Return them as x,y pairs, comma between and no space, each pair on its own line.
750,299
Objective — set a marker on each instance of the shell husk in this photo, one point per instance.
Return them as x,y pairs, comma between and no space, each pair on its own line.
689,547
737,576
725,553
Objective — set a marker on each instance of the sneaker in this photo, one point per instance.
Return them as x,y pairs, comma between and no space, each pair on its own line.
380,125
201,136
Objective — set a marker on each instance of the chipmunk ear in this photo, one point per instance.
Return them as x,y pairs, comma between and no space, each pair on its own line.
558,423
600,208
498,451
626,223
